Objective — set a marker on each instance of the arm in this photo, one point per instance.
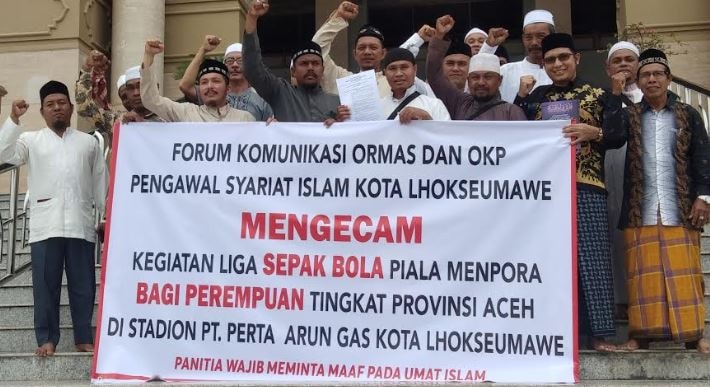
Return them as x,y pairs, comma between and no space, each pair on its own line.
261,78
324,38
441,85
152,100
496,37
699,153
612,121
187,82
417,40
13,148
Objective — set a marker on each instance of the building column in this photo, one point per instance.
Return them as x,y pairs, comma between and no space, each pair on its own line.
562,11
134,22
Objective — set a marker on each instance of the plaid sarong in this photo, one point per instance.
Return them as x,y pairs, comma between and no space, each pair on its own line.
665,283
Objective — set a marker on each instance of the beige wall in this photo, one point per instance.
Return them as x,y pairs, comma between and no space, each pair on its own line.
688,20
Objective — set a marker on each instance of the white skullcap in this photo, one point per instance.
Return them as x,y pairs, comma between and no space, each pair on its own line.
133,73
622,45
475,30
236,47
121,81
484,62
538,16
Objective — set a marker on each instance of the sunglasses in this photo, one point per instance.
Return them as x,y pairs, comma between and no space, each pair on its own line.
562,57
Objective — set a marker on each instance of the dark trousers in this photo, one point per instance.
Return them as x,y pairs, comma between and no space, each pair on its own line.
49,258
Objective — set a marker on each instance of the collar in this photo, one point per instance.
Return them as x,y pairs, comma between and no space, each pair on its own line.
670,102
219,112
527,63
407,93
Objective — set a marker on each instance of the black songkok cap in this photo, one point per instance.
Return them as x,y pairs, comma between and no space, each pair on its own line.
368,30
52,87
458,47
653,55
557,40
502,52
213,66
397,54
308,47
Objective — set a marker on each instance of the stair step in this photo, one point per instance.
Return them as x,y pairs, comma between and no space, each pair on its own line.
22,294
25,278
639,368
22,339
23,315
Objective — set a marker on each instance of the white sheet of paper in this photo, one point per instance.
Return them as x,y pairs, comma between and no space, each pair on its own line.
359,92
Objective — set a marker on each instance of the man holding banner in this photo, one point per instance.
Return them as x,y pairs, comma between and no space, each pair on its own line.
596,127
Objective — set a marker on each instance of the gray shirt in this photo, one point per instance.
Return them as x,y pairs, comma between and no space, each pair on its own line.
290,103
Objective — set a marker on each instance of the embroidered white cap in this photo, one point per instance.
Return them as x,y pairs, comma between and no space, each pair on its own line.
236,47
133,73
538,16
475,30
484,62
121,81
623,45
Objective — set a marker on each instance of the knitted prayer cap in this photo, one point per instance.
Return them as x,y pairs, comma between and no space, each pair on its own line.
653,55
369,30
213,66
306,48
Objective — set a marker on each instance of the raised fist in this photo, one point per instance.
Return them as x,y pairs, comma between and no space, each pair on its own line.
19,107
618,82
497,36
259,8
96,62
211,42
426,32
527,82
154,47
444,24
347,10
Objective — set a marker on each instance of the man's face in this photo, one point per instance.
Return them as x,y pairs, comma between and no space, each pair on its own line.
561,65
456,69
653,80
308,70
368,53
124,97
133,94
623,61
57,110
400,75
475,41
233,61
213,89
532,40
483,85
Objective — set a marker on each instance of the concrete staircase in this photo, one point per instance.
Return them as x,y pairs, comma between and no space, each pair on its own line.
664,364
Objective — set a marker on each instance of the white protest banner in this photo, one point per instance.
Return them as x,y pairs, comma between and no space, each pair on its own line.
368,252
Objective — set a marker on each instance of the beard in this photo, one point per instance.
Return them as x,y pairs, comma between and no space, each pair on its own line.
483,99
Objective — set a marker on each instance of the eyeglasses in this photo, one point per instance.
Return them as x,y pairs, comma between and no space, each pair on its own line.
562,57
231,61
656,74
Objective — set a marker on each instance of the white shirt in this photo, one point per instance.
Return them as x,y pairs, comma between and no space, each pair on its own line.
433,106
66,177
512,72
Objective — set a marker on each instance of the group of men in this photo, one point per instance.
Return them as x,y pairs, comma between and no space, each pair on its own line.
659,184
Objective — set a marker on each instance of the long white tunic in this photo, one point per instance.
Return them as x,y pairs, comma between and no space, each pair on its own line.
66,178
